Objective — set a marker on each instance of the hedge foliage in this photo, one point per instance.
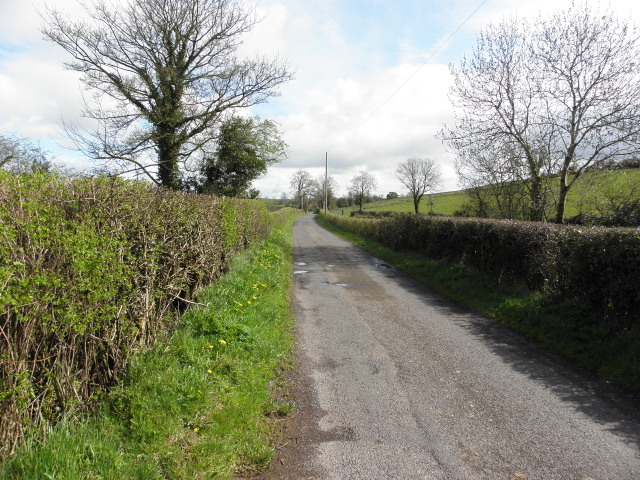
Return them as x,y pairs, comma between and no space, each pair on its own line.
596,267
92,270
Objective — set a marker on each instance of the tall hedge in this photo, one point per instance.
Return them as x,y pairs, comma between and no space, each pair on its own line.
595,267
92,270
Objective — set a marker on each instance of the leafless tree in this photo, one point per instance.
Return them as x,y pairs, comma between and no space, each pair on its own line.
161,73
498,182
419,176
591,88
302,187
560,94
495,96
20,155
361,186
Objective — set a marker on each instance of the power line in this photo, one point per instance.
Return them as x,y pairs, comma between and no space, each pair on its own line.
393,94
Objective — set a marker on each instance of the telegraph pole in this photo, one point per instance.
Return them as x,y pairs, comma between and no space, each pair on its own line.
326,186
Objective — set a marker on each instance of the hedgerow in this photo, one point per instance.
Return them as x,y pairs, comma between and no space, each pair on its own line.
92,270
597,268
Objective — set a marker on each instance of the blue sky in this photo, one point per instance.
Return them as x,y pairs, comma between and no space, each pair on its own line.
349,57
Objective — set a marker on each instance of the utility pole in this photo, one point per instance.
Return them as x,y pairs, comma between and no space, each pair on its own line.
326,186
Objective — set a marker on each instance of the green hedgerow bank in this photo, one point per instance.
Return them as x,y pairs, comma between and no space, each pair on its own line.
91,271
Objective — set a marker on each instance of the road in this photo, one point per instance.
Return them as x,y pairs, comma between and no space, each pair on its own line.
396,382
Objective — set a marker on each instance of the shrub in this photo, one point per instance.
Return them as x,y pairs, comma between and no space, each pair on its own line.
92,270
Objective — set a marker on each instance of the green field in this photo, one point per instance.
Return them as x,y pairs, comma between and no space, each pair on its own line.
587,196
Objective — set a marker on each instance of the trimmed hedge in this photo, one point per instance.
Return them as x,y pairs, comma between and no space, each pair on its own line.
92,270
595,267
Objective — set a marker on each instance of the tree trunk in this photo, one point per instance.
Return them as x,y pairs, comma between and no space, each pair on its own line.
416,203
537,208
562,197
168,171
536,211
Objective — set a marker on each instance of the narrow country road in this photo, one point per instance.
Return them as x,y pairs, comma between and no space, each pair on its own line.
396,382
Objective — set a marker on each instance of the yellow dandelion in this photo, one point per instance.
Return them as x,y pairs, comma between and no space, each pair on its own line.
254,298
222,342
196,429
209,371
249,302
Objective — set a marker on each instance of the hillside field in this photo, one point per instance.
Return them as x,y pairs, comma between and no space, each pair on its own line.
585,195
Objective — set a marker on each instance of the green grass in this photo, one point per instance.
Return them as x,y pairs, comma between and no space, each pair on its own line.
585,196
562,328
445,203
199,405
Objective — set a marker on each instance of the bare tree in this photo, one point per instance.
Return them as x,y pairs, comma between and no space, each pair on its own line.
419,176
561,95
497,181
20,155
496,95
161,75
302,187
361,186
590,84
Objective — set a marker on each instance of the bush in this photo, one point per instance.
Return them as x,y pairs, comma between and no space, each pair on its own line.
91,271
371,214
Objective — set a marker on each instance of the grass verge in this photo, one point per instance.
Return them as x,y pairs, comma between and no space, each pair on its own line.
566,328
199,405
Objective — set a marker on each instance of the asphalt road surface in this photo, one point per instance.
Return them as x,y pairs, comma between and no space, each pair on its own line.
397,382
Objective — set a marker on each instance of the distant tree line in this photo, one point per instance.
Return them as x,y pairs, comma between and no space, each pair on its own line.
418,175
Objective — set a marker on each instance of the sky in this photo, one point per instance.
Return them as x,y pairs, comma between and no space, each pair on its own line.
370,89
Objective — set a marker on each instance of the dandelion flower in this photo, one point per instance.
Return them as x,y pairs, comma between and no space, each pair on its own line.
222,342
196,429
209,371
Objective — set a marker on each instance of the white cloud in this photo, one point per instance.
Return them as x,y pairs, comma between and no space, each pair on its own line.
343,121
